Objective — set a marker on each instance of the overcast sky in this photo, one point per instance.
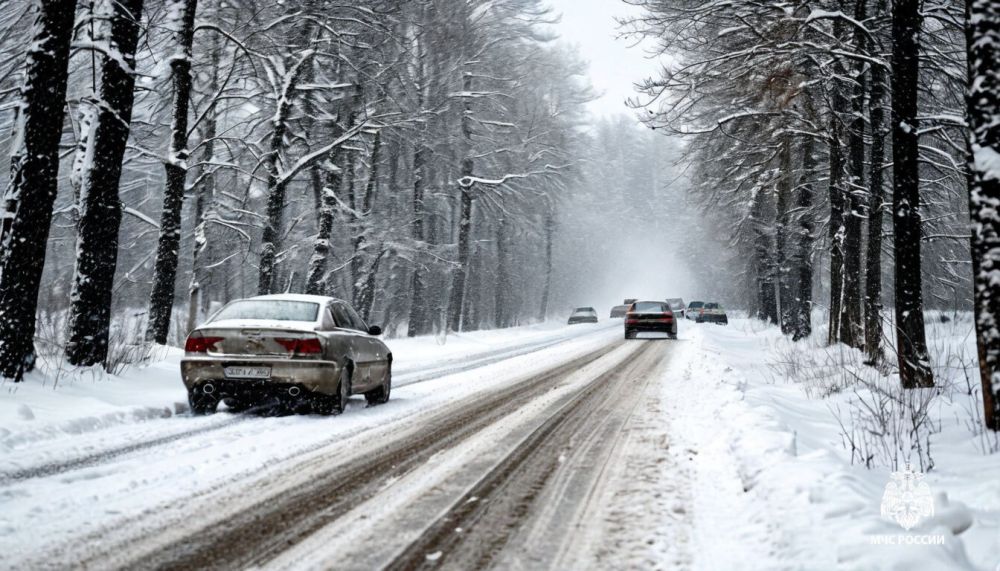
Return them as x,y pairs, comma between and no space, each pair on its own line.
614,66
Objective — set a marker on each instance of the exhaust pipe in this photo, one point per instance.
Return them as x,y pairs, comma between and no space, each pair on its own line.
294,391
208,389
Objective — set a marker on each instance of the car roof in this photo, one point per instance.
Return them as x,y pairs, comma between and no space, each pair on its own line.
295,297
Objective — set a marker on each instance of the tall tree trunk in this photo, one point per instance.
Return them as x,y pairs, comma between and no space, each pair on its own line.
876,201
161,298
763,251
550,223
100,208
205,204
804,248
851,328
983,38
837,230
361,223
502,290
419,322
911,344
785,303
316,283
276,184
28,200
466,186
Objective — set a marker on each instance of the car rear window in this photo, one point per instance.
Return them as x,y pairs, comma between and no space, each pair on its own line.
650,307
585,311
272,309
695,304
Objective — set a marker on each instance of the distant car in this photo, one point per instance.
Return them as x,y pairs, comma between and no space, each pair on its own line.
619,311
309,353
630,301
712,313
583,315
650,316
693,308
677,305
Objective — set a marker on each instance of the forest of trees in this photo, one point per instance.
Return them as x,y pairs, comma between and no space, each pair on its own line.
415,158
830,141
167,156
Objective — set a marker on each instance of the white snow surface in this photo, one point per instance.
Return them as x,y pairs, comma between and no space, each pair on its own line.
771,483
726,464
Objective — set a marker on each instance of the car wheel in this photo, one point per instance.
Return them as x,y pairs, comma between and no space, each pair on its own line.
381,394
334,404
202,403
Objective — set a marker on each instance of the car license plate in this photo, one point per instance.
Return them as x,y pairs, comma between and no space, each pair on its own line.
247,372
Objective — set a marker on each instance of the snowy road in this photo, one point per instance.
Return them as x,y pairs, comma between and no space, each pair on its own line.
509,445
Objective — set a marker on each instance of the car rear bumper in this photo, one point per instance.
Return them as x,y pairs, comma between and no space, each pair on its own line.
670,328
316,376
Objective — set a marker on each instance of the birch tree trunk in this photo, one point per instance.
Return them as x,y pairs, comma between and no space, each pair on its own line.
984,193
911,344
29,198
161,298
100,208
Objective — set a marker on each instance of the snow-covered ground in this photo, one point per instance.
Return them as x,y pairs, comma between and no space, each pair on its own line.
772,484
83,456
737,455
68,403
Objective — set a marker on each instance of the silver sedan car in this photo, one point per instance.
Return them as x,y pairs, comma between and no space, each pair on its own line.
309,352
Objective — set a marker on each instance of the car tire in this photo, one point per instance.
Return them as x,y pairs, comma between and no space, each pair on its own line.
327,405
629,334
201,403
381,394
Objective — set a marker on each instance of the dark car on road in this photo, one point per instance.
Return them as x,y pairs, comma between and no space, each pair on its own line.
583,315
650,317
303,353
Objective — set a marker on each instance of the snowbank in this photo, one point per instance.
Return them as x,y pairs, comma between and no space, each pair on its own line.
770,462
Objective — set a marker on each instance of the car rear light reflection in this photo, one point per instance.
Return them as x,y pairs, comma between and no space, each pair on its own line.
198,343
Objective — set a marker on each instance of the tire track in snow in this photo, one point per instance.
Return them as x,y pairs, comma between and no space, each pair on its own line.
450,367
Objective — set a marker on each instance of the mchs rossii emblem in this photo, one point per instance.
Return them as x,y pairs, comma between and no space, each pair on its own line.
907,498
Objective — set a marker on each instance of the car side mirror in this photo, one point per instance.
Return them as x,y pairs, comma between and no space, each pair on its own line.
374,330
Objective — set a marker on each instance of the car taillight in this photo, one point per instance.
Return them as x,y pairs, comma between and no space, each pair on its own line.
301,346
198,343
